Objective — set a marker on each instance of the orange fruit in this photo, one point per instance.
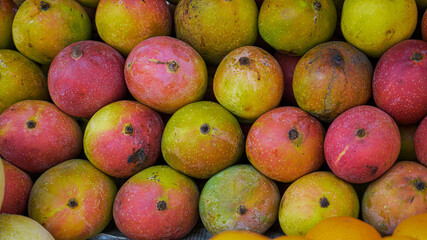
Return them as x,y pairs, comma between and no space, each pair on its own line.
415,227
399,238
291,238
239,234
343,228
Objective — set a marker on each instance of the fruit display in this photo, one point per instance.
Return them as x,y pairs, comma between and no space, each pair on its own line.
213,119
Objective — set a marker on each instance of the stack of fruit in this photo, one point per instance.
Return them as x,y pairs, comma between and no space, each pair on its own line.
151,116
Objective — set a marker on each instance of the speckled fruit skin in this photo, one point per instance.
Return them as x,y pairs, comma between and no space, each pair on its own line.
21,79
42,28
407,148
363,27
361,144
15,226
399,85
287,64
166,74
420,142
331,78
248,82
215,28
295,26
85,76
72,200
18,185
2,183
35,135
285,144
123,138
239,198
7,12
314,197
134,21
398,194
201,139
157,203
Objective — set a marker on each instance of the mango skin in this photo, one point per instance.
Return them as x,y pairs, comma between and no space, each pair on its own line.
21,79
362,144
215,28
331,78
295,26
124,24
123,138
248,82
201,139
14,226
73,200
375,26
399,83
420,143
157,203
2,183
154,81
239,198
397,195
35,135
81,85
8,10
273,151
301,205
41,34
18,185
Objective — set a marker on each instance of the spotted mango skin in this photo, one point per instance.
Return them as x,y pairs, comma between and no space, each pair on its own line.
21,79
123,138
166,74
314,197
248,82
399,84
398,194
420,143
42,28
123,24
239,198
215,28
85,76
18,185
285,144
36,135
72,200
8,10
331,78
201,139
361,144
295,26
157,203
